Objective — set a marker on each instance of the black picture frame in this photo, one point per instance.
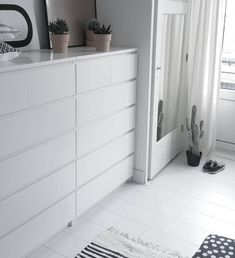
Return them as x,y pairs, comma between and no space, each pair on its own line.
47,22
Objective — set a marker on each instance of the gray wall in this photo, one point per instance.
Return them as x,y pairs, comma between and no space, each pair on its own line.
132,26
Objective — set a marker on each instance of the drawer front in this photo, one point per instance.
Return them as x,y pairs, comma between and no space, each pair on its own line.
13,96
123,68
34,87
105,101
91,193
100,69
29,166
93,136
29,236
28,128
99,161
36,198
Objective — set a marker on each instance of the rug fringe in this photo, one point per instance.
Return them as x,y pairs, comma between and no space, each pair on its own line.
145,244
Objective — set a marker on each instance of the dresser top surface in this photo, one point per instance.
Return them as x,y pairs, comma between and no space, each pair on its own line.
31,59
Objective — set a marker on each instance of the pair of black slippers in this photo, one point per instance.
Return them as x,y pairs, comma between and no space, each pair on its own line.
213,167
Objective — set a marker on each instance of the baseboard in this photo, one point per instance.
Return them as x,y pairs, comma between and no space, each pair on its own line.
225,145
138,177
226,154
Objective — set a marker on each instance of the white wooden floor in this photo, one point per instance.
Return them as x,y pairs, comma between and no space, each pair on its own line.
178,209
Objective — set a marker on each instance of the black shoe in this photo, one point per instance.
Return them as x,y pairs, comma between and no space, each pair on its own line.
207,166
216,167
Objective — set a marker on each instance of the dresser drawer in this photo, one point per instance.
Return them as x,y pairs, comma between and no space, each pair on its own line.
95,135
27,88
28,128
28,237
31,165
13,96
97,162
123,68
100,69
36,198
105,101
93,192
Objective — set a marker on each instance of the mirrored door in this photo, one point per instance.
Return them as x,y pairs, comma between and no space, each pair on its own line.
170,54
169,84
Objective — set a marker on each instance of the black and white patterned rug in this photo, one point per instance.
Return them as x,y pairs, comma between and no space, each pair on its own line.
216,247
115,244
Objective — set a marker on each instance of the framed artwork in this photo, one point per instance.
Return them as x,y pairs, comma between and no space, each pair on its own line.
16,20
76,13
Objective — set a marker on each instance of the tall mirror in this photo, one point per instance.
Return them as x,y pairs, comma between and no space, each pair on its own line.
169,86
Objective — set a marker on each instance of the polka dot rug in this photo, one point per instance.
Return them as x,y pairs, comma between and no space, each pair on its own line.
216,247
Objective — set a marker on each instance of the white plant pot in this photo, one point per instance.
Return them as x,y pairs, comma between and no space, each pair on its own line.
90,35
60,43
90,43
102,42
90,38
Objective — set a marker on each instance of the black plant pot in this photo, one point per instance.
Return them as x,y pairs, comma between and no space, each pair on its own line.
193,160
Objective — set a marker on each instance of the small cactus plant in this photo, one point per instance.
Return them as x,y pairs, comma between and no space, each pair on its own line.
58,27
93,25
195,132
160,120
105,30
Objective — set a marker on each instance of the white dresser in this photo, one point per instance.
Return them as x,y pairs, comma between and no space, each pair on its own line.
66,139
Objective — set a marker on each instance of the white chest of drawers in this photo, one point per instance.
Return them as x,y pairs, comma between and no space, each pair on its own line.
66,139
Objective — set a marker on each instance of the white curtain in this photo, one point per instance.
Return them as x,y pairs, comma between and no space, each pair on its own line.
205,50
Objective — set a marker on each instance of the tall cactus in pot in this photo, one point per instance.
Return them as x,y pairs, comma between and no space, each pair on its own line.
195,132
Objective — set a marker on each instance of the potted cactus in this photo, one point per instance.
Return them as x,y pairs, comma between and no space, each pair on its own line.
103,36
59,35
92,25
196,133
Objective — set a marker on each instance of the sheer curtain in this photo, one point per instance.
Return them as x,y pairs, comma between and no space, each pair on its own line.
205,50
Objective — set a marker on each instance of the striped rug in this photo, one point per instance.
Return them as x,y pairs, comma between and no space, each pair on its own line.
114,244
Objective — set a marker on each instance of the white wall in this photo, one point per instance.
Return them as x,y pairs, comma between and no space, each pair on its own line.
132,24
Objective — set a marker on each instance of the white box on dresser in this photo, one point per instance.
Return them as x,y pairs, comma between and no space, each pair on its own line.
66,129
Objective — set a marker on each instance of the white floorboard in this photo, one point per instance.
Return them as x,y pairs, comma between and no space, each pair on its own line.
178,209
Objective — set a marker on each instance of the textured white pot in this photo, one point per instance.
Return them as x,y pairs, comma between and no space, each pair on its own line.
90,35
103,42
60,42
